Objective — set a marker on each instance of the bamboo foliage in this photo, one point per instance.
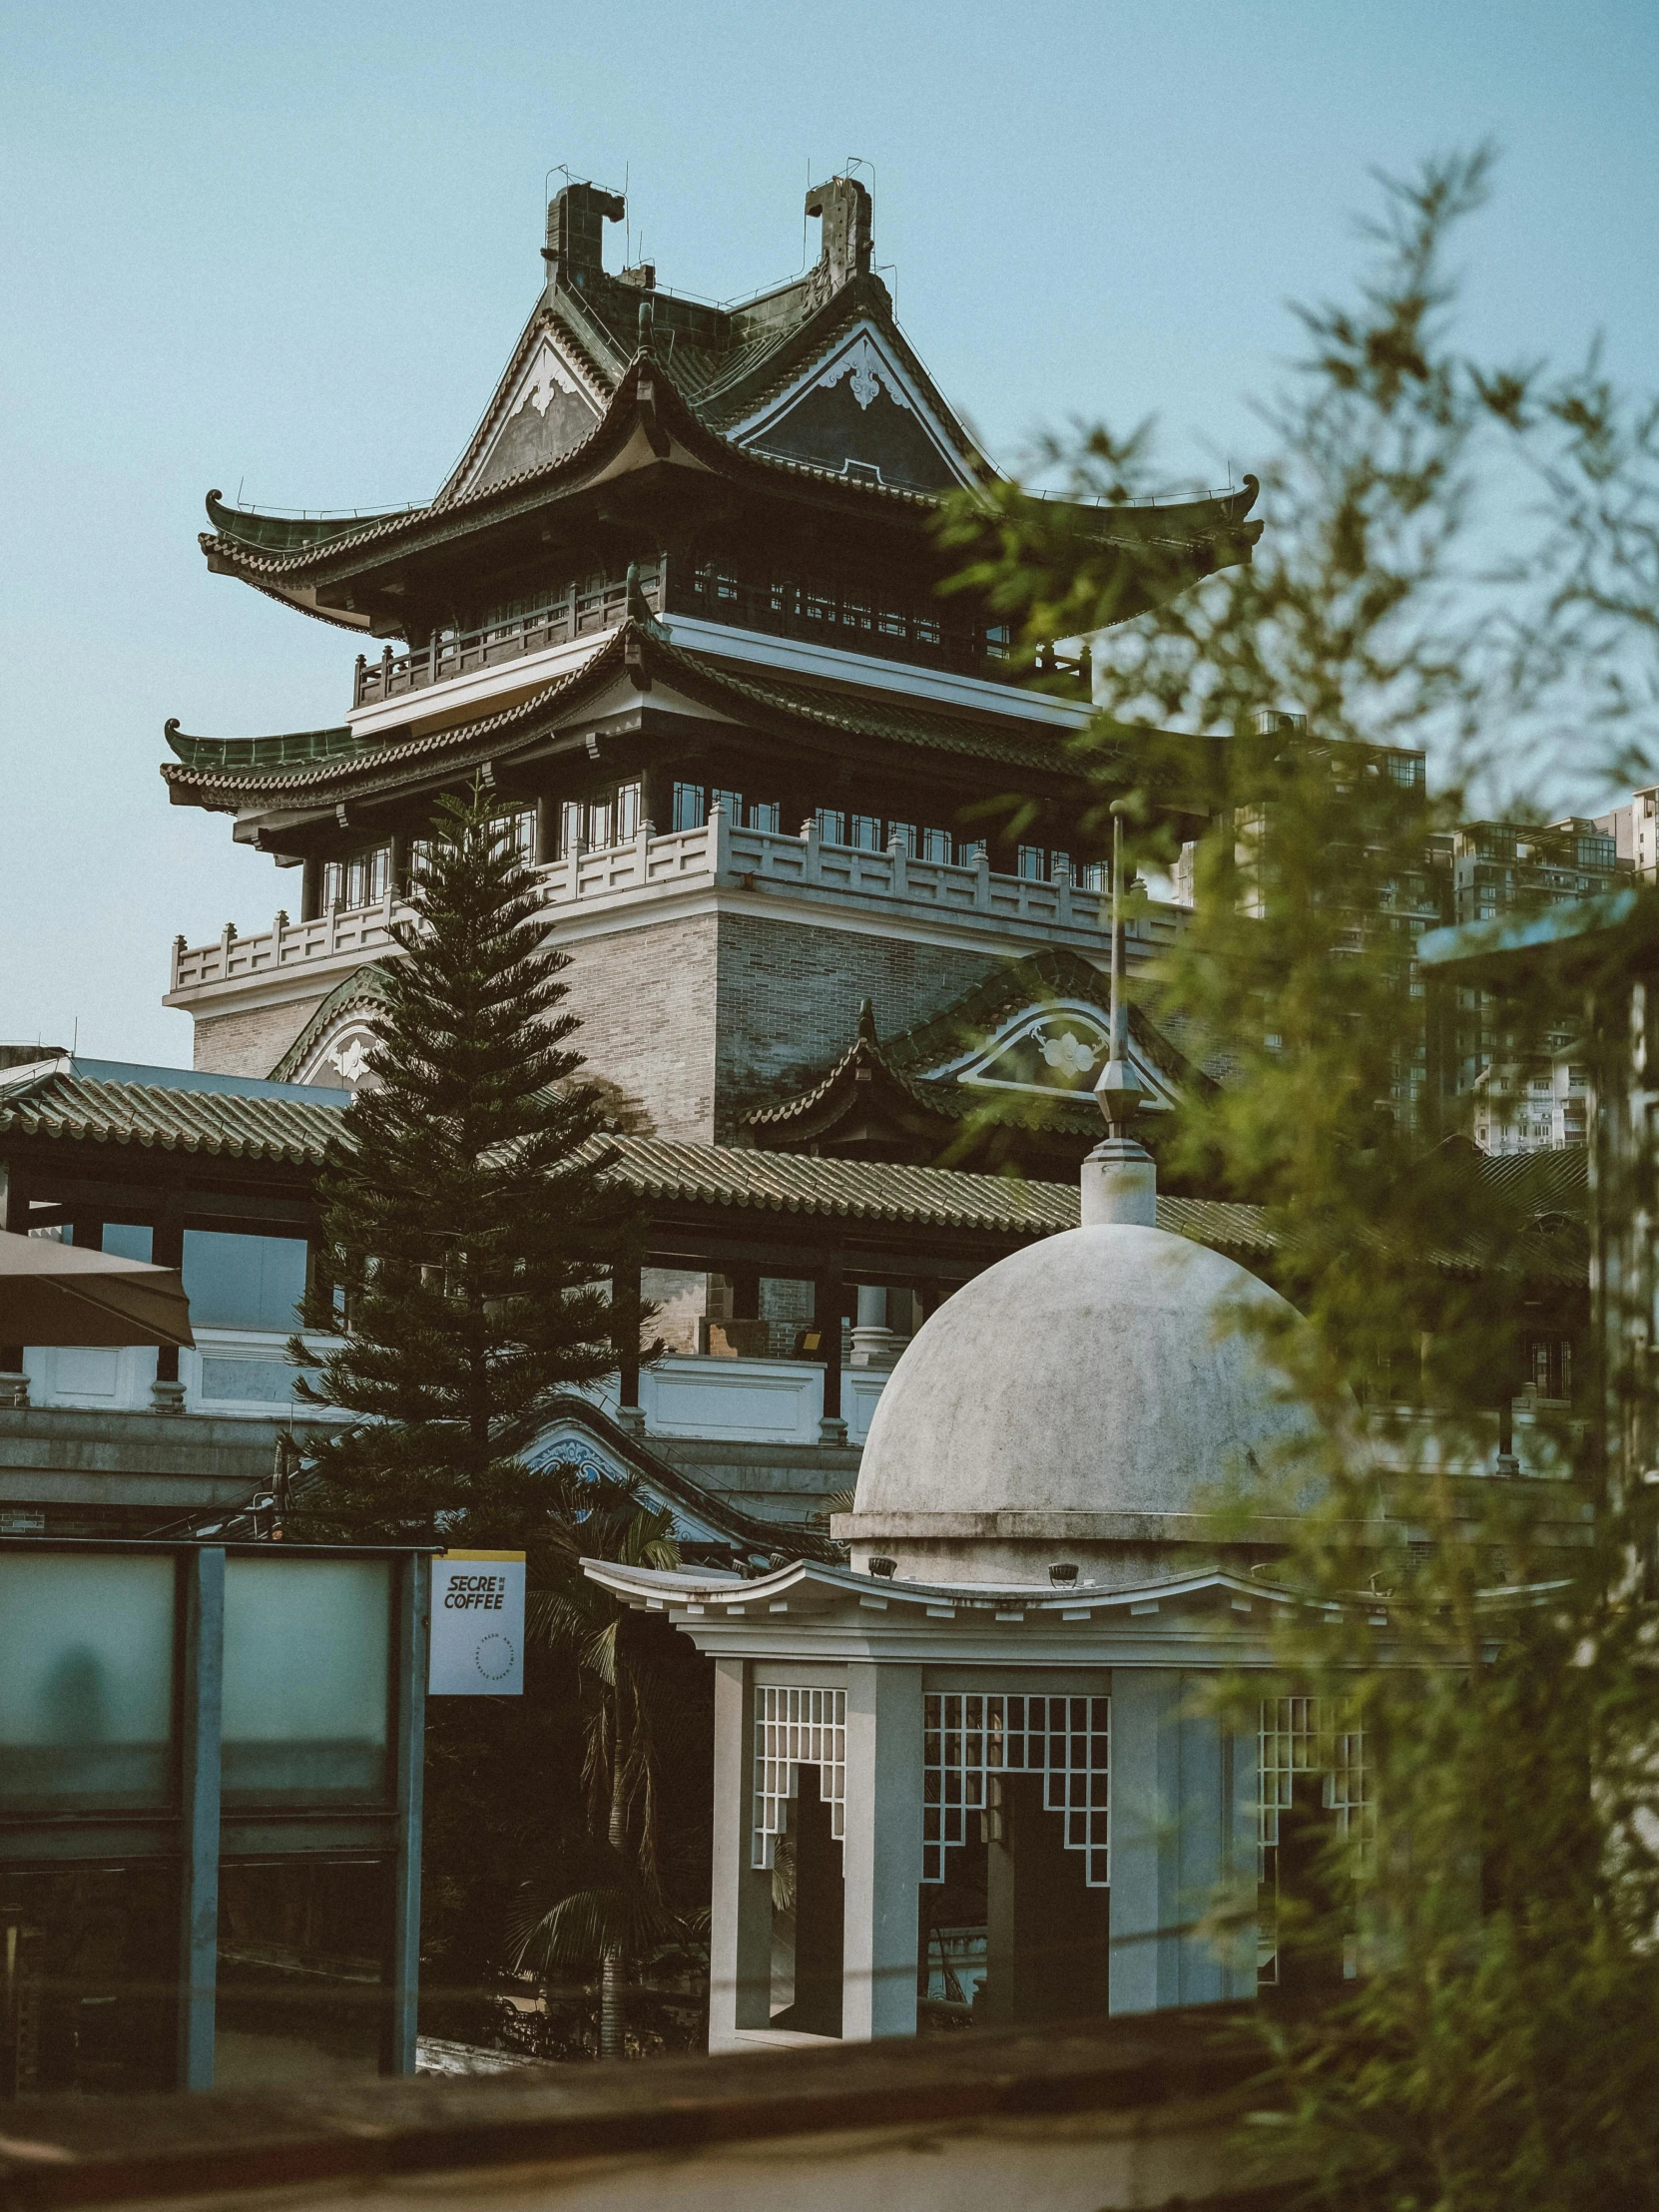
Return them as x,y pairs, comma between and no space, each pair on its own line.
1460,563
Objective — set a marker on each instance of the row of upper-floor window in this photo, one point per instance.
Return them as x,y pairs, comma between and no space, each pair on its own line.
614,817
870,833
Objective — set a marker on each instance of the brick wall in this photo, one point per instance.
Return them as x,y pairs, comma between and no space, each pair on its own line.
646,1002
689,1023
789,998
250,1043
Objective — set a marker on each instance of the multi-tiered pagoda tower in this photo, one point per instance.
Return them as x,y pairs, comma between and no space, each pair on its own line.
677,606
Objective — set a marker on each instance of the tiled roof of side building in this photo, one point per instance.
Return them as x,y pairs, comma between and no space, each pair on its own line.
881,1191
364,987
72,1109
152,1117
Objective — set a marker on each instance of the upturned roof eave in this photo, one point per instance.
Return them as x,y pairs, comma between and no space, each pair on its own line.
1215,523
352,555
372,766
668,1589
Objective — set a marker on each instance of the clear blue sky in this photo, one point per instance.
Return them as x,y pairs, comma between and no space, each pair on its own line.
286,248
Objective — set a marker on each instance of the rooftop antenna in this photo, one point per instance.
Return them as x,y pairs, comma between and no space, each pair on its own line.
1120,1179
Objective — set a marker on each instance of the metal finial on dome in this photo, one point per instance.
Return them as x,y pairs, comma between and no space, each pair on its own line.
1118,1093
1120,1180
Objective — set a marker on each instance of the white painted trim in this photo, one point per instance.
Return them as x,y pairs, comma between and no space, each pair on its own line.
836,664
763,1401
969,1067
766,417
797,1674
438,703
59,1375
720,641
574,380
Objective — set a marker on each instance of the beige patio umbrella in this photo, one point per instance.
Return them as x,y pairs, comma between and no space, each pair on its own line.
57,1294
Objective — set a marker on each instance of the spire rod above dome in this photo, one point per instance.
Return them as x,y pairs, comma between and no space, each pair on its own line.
1118,1092
1120,1179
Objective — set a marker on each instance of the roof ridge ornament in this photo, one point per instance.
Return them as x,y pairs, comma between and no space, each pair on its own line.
1120,1178
639,607
843,207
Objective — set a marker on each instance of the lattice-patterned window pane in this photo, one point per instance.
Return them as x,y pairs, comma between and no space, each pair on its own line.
1298,1735
1297,1738
970,1739
796,1728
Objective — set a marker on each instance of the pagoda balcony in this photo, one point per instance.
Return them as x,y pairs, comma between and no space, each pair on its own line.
852,619
975,900
586,610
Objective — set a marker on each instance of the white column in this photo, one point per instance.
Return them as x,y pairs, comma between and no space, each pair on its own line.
1141,1699
883,1851
740,1905
874,1345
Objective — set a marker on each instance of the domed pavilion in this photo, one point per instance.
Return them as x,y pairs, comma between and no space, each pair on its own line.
971,1771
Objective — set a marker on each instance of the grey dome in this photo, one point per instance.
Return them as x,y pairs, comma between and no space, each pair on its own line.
1089,1384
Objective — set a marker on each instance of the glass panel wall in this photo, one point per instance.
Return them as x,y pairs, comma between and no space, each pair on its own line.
302,1956
308,1680
127,1239
86,1679
238,1282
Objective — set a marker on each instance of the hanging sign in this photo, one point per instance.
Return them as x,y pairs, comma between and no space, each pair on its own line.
477,1625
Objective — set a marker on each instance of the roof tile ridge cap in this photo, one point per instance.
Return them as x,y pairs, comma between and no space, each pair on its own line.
827,313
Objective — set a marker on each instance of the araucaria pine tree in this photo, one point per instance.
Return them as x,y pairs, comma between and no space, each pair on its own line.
470,1230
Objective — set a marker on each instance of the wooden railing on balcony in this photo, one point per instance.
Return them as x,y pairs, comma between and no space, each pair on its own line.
858,619
853,618
580,611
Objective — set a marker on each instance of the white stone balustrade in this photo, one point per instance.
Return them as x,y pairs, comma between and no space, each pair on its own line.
713,857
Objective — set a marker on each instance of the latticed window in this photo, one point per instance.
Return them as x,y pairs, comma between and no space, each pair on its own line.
516,831
1298,1737
794,1728
1302,1736
974,1741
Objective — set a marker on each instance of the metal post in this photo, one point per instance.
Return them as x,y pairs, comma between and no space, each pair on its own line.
167,1250
414,1620
826,1319
14,1216
201,1706
625,1292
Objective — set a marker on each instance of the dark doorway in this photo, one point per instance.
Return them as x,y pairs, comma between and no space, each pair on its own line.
810,1905
1048,1932
1310,1916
